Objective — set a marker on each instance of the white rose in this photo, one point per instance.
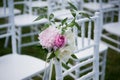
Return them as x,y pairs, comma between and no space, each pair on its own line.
70,38
65,53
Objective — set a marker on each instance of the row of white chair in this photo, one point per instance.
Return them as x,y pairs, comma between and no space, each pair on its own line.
53,8
28,9
81,56
16,66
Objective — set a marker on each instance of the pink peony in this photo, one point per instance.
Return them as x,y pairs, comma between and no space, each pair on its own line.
60,41
48,36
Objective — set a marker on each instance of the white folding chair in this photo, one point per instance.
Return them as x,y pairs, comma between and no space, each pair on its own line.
15,66
26,19
97,5
87,53
4,13
112,33
86,67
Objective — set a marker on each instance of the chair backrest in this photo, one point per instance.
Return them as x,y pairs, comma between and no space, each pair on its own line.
111,28
85,28
10,24
5,13
115,14
3,9
22,5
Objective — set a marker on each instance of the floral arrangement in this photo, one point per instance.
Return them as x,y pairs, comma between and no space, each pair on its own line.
60,43
59,39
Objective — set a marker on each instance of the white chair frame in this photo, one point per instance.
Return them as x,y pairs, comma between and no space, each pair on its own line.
18,67
112,28
27,20
98,6
94,74
4,13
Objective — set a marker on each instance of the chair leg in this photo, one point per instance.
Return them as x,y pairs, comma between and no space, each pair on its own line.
19,39
6,42
77,71
7,38
104,65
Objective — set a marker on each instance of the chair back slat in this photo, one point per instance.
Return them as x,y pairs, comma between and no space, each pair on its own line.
119,13
4,5
82,33
86,31
89,32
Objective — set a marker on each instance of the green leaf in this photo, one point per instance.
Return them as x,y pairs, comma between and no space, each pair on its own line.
52,55
64,21
77,25
74,56
72,23
56,53
84,14
73,13
52,21
38,18
74,7
51,16
47,25
63,30
58,59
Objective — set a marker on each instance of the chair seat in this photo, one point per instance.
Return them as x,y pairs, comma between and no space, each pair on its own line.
18,67
40,4
96,6
113,28
88,52
27,19
2,13
62,14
